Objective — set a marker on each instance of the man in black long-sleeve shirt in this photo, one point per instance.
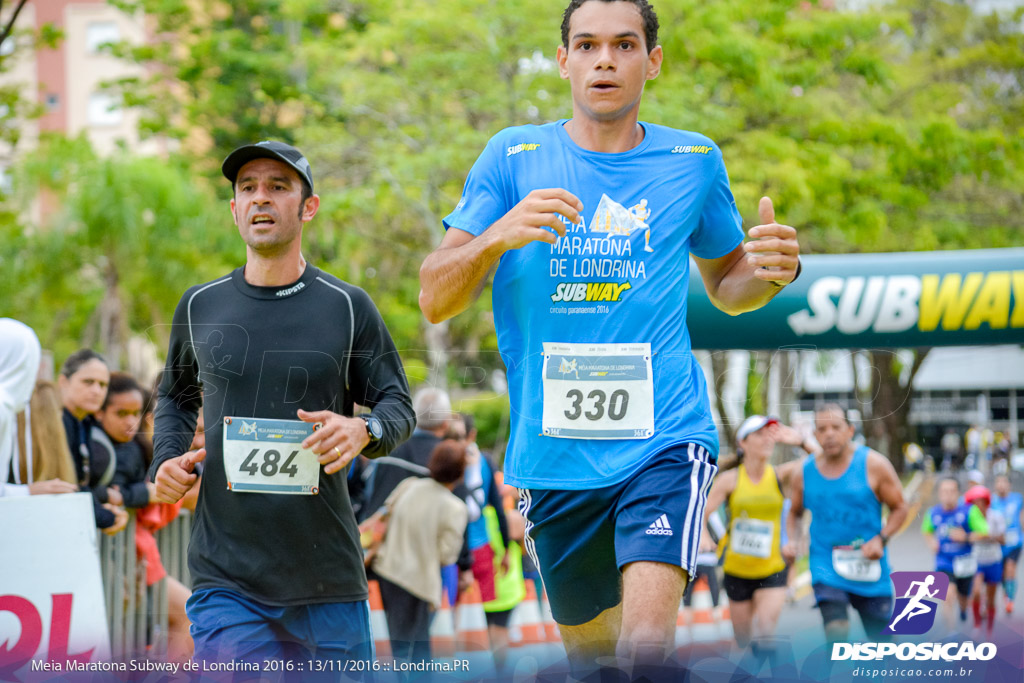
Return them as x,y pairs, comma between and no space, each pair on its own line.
270,351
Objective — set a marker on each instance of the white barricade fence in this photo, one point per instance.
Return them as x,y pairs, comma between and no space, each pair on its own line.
52,605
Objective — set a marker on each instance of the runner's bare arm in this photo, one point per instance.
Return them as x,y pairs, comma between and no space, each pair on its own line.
794,520
787,435
454,274
740,281
725,484
889,491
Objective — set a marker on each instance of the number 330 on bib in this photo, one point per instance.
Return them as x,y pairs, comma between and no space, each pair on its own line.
598,391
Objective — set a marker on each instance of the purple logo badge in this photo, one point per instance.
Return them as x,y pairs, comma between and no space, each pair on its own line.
918,595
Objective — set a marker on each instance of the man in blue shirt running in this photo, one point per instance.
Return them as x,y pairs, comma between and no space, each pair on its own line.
845,487
588,225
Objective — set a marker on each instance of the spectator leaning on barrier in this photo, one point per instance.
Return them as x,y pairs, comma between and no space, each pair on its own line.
83,387
45,462
276,354
426,523
119,440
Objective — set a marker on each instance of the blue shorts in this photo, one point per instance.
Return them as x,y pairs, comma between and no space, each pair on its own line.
874,610
991,573
580,540
1011,553
229,627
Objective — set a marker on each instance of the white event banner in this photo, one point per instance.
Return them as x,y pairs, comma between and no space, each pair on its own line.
51,591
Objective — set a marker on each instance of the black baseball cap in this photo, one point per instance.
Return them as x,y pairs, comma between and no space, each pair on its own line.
267,149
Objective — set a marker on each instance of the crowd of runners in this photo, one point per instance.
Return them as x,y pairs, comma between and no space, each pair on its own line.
613,447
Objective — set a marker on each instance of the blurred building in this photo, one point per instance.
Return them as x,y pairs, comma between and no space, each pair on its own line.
67,80
957,386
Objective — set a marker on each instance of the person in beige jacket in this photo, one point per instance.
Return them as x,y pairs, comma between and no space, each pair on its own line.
426,523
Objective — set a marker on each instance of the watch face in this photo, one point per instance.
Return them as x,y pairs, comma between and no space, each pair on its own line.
374,428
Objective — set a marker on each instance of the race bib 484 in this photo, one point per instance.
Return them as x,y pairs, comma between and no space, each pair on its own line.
266,456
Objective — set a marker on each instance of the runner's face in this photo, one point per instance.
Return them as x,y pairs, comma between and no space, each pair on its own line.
948,494
122,416
84,391
267,206
1002,486
758,445
833,432
607,63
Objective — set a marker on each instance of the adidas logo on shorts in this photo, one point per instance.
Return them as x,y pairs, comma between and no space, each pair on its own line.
659,527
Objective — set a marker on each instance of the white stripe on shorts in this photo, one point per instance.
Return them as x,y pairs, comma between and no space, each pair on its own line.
525,501
701,475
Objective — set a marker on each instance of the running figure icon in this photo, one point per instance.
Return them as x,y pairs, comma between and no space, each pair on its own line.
915,607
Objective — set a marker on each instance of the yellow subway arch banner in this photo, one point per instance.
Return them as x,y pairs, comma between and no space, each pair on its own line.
893,300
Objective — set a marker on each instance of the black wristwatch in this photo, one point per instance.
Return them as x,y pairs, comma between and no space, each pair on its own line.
374,429
885,539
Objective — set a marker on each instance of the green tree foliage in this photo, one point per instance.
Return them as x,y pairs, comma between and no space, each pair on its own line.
894,126
131,234
15,107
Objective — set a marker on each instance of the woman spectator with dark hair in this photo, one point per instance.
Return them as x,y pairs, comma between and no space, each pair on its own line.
83,387
120,440
425,528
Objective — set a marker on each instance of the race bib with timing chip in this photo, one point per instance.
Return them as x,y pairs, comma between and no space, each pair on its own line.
598,391
266,456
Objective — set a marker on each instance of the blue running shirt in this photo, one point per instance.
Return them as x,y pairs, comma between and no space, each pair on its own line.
845,513
1010,507
620,277
940,522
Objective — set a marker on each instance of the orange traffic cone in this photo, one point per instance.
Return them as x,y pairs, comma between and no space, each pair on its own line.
551,632
471,622
472,642
378,622
702,615
526,621
442,630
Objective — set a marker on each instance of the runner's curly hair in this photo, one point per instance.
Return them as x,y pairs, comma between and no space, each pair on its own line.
647,16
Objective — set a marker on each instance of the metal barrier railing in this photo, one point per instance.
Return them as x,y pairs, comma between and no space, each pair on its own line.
137,614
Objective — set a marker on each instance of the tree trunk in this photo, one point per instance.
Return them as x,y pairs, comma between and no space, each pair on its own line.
891,403
786,363
113,333
757,383
719,370
436,337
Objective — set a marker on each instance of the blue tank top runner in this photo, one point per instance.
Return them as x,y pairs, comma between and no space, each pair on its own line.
845,514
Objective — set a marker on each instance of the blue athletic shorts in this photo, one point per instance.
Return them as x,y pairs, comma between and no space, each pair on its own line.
1011,553
874,611
580,540
991,573
229,627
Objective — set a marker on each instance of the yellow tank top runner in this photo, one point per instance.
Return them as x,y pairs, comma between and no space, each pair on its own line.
755,512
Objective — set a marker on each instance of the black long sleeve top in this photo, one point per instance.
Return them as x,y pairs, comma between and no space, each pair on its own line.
244,351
